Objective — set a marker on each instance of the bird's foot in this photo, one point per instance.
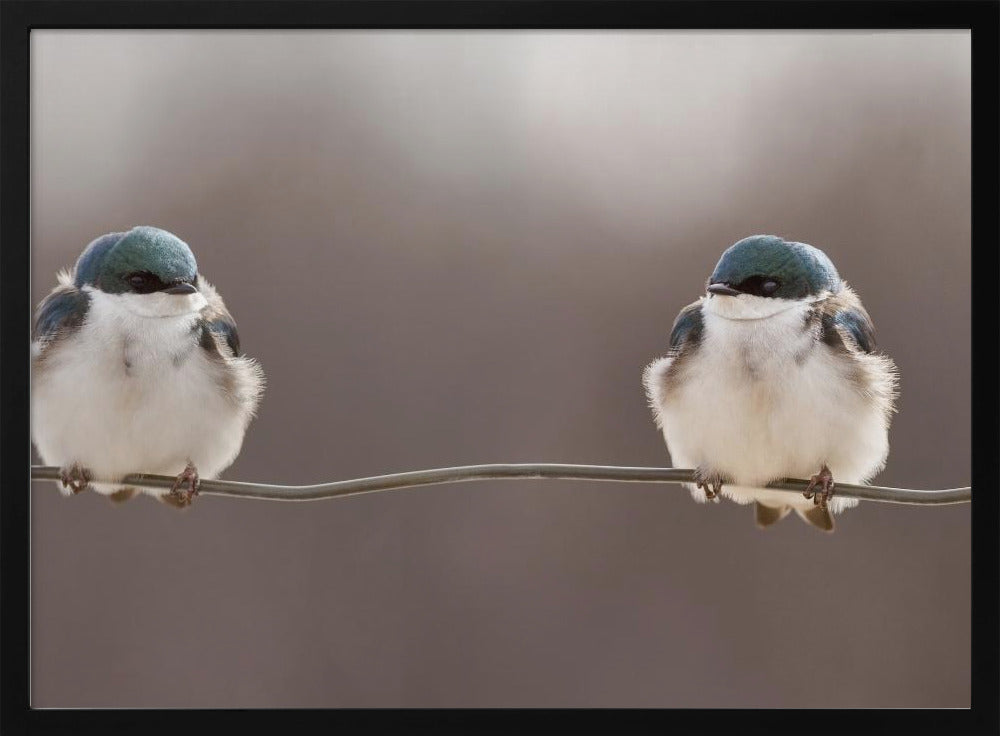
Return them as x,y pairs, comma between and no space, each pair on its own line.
820,487
180,495
709,482
76,478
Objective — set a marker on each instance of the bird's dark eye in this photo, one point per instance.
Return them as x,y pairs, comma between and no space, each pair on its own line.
759,285
143,282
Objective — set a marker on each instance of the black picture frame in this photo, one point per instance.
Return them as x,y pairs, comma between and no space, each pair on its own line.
19,18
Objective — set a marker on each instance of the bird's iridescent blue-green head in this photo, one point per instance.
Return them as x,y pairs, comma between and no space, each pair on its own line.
141,261
769,266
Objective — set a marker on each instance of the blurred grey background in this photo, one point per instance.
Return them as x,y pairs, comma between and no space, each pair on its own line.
463,247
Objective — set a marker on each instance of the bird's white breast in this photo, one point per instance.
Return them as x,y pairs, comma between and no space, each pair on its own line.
761,400
129,392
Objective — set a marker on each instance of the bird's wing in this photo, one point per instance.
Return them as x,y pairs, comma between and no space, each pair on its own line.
225,327
243,377
59,313
217,319
659,375
858,325
844,317
687,326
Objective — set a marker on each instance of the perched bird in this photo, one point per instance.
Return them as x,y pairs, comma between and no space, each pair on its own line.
136,367
773,374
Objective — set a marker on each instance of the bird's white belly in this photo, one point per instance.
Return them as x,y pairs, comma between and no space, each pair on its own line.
146,400
748,409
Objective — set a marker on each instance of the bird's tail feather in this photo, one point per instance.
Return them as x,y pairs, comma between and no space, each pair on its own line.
818,517
171,500
767,515
122,495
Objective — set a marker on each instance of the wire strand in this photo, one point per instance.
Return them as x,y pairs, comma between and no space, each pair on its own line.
547,471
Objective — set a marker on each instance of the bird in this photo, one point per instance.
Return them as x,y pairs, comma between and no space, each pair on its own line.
774,373
136,367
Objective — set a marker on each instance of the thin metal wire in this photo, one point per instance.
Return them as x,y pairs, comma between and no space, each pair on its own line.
551,471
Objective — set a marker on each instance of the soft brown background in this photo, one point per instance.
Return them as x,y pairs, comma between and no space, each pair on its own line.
453,248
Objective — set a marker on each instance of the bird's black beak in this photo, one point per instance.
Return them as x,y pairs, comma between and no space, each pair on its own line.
181,288
724,289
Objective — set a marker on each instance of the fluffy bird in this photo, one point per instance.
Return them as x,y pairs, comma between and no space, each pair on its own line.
136,367
774,374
